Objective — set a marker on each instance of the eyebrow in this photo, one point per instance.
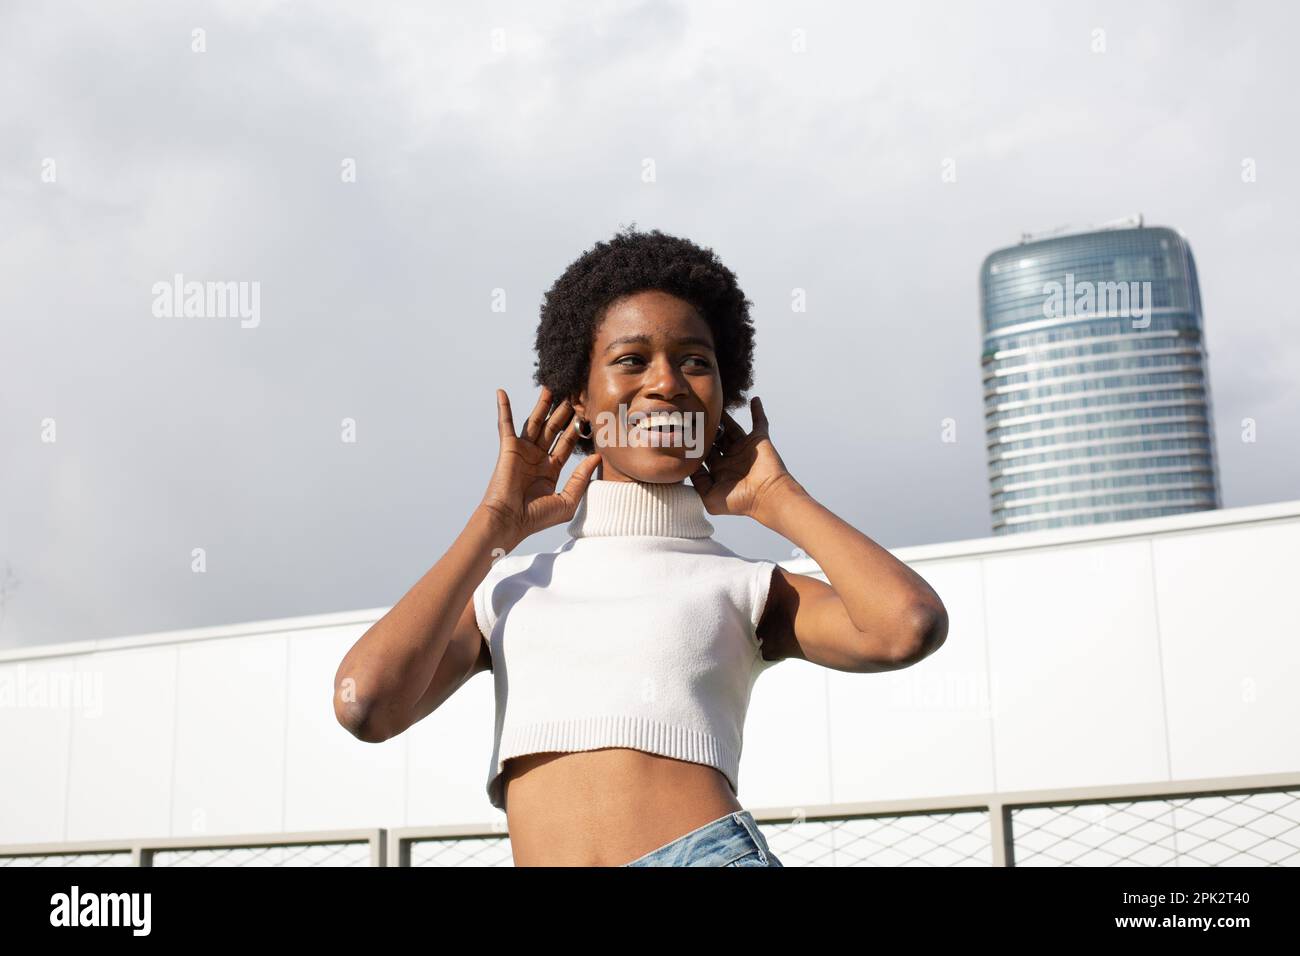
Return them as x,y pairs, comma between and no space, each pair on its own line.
645,340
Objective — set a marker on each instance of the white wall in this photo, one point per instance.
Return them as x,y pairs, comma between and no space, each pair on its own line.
1154,650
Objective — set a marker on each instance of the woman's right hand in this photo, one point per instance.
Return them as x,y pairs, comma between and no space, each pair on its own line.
521,494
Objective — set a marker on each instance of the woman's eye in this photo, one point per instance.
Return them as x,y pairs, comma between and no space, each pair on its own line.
703,362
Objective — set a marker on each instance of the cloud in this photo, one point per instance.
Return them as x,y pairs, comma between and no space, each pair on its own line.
492,146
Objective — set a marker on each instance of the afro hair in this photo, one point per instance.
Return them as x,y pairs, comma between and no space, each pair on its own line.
632,262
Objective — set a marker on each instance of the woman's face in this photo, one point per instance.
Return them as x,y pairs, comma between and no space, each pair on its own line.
653,352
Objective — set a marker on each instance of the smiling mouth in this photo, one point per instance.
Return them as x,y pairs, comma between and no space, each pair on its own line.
663,422
658,429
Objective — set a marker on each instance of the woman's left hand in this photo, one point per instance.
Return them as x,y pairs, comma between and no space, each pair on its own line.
743,474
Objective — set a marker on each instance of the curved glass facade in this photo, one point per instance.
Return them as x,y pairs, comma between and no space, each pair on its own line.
1096,392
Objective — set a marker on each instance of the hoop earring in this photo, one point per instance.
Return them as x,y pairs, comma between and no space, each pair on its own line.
589,432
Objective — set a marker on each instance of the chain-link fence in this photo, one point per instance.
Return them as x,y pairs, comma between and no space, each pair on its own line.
1237,821
330,848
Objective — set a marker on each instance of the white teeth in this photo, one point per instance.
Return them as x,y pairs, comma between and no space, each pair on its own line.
657,420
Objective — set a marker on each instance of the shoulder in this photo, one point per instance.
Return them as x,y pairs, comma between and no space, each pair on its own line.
487,600
507,565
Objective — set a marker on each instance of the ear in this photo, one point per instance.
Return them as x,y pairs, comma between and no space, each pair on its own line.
580,404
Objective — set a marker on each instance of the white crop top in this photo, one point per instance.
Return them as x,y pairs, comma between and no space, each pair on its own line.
639,632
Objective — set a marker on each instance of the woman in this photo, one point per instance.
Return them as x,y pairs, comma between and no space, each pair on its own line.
623,661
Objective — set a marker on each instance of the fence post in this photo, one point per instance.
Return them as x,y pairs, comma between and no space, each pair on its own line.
1000,836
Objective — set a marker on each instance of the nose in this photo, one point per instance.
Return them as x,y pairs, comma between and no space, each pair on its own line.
666,380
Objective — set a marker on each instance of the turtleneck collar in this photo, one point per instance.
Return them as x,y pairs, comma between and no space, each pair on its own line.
608,508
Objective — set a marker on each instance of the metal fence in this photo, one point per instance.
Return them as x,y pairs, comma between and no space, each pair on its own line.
1233,821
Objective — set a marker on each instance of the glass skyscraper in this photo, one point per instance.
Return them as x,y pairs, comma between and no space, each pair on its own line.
1096,392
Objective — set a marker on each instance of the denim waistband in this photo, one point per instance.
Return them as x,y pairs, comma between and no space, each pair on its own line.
715,843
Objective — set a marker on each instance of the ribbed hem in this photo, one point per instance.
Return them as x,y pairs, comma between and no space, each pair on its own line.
671,510
593,733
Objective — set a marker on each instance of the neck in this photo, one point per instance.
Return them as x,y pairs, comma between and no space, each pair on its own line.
671,509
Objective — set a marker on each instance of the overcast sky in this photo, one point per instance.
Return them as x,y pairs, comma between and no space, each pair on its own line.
493,143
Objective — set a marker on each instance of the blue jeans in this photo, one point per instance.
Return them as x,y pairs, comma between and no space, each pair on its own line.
733,840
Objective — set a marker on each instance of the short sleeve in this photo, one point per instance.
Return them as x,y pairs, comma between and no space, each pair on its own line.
484,611
759,588
485,607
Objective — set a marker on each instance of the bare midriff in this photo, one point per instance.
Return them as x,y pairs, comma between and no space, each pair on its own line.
606,807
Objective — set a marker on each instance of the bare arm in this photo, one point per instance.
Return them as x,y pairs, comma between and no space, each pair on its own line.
383,676
416,655
875,614
466,656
